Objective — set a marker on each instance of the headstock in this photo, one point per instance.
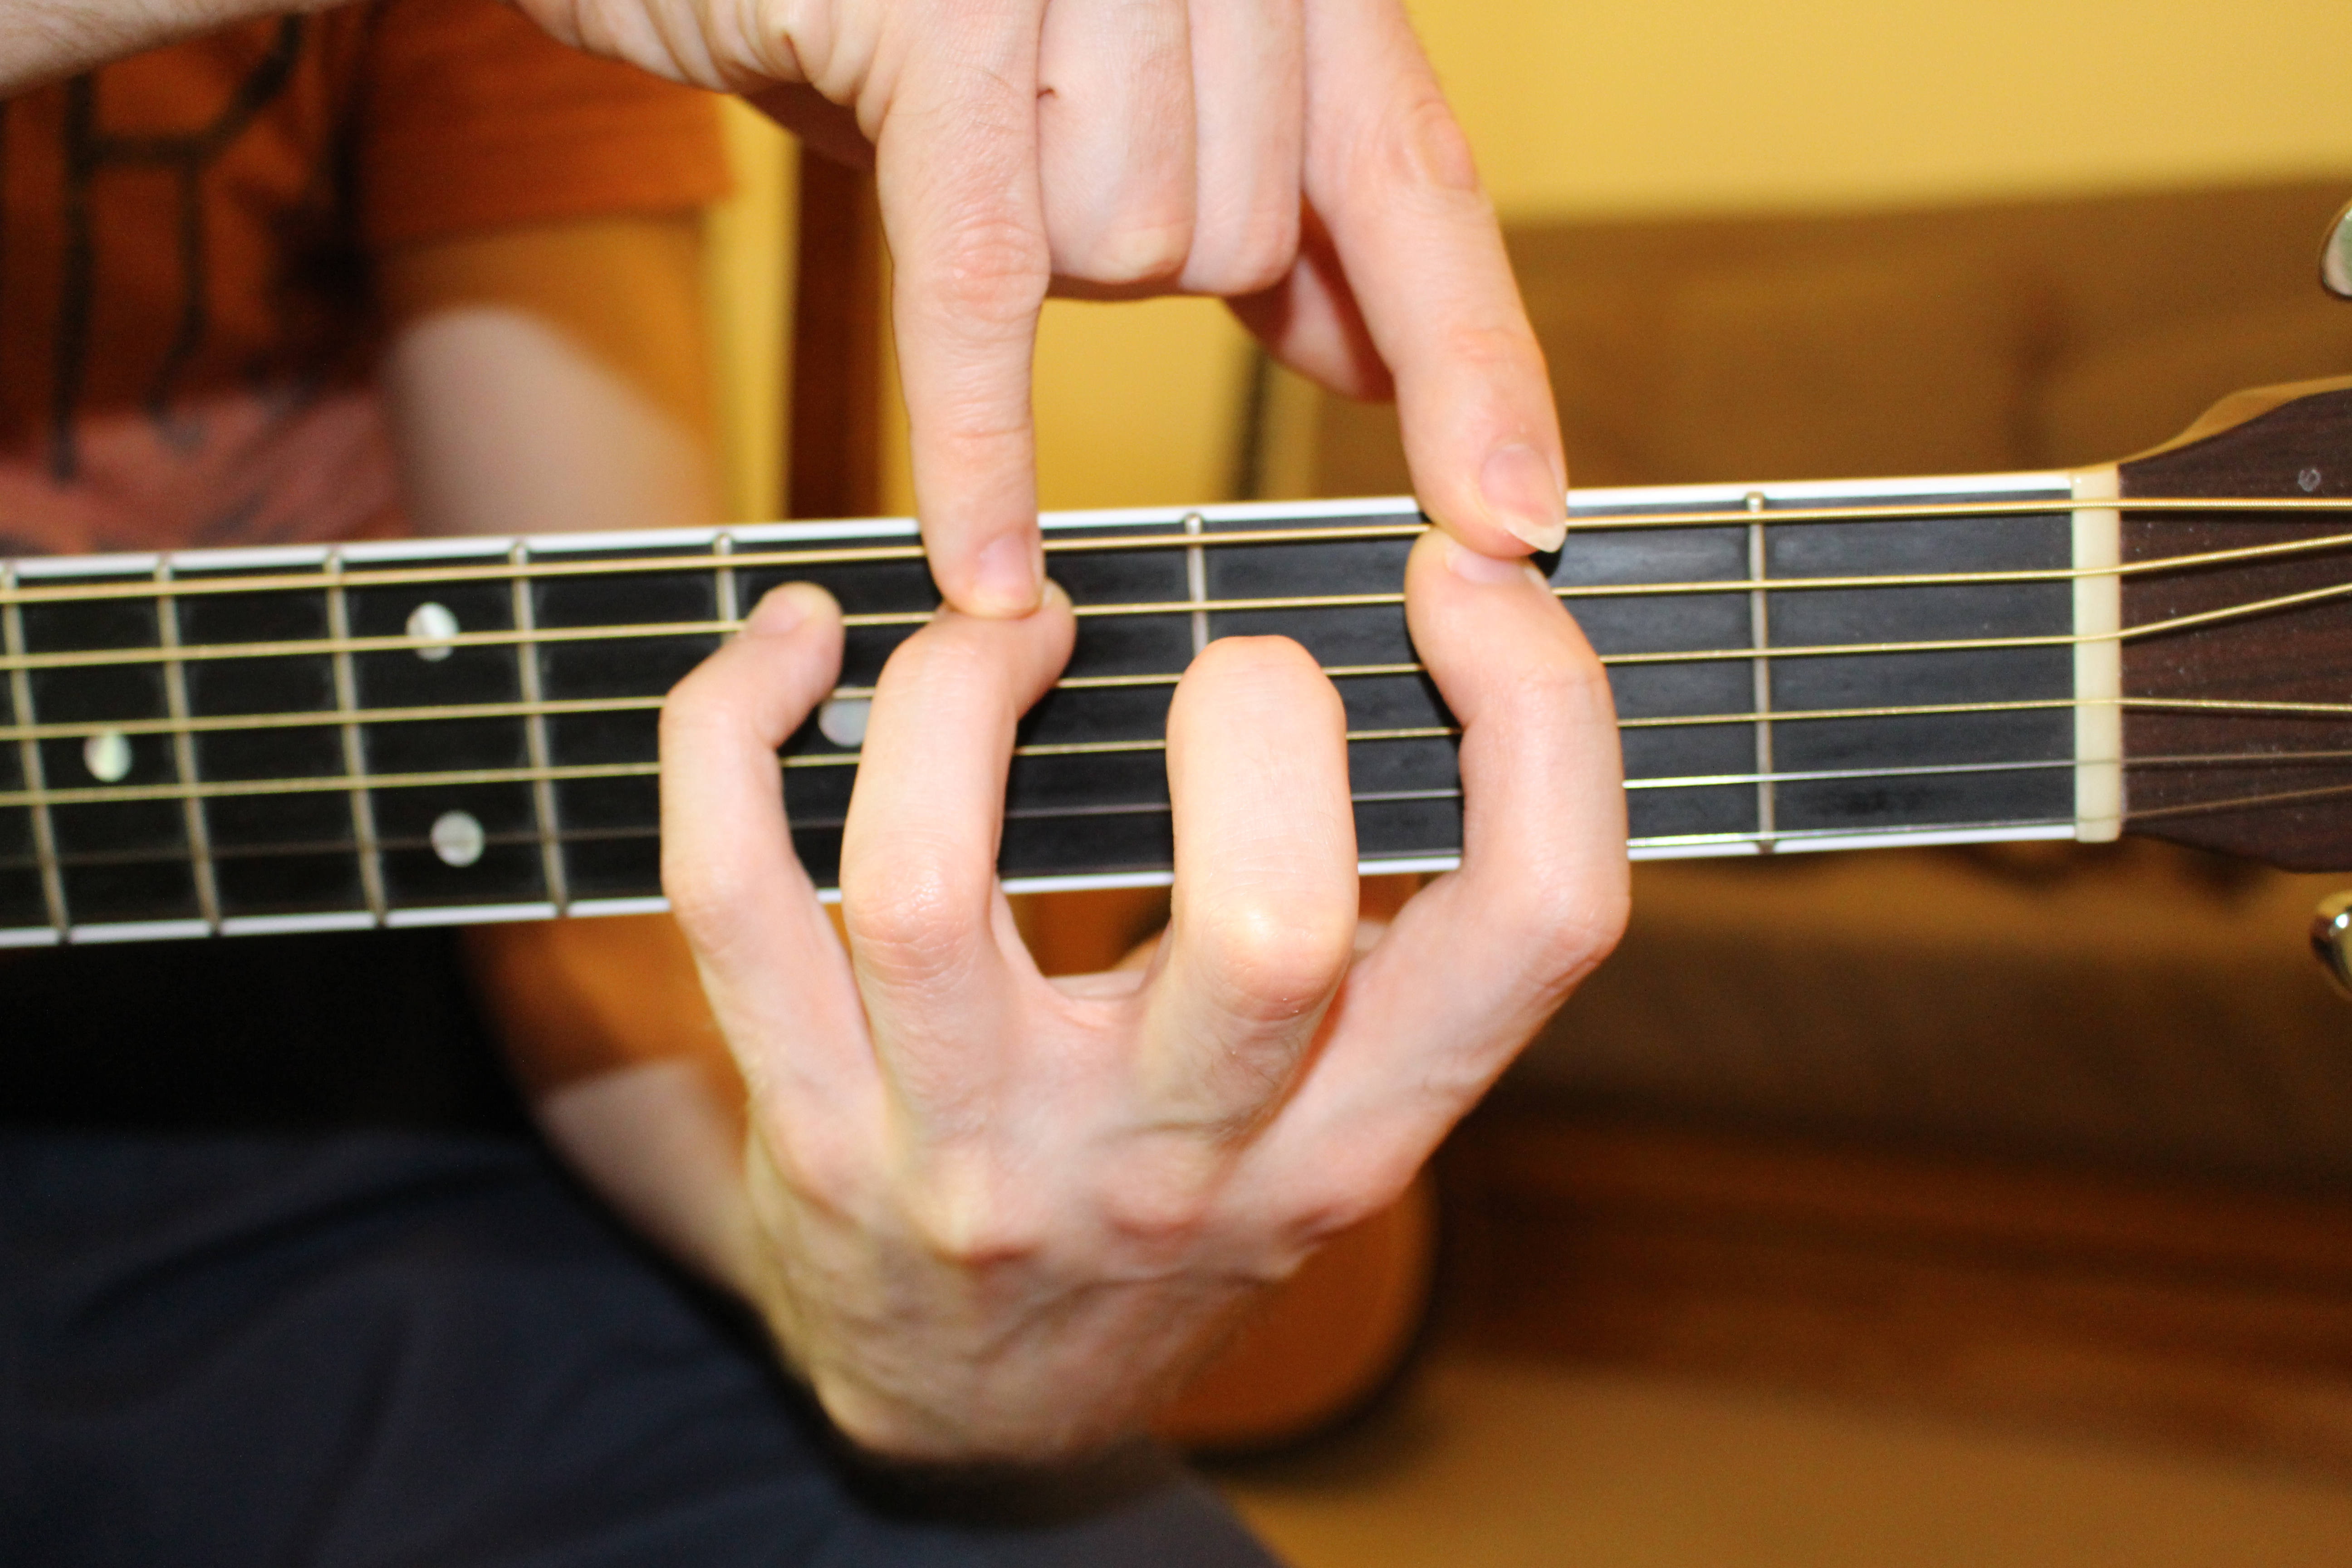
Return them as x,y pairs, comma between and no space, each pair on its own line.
2256,759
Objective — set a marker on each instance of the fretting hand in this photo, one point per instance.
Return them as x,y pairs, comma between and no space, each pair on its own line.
999,1216
1295,156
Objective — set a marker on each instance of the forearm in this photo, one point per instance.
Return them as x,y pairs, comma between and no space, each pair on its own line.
551,379
43,40
608,1035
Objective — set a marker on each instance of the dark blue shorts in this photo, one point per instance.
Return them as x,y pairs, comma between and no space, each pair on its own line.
405,1344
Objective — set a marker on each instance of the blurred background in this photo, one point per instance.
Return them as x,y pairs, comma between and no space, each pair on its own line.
1936,1206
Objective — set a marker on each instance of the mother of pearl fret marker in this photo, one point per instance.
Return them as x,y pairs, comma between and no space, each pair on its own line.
442,731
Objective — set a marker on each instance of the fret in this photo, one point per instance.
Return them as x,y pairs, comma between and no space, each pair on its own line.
1895,546
1652,696
183,748
289,854
1127,825
463,846
1410,808
607,843
1759,614
542,789
48,882
125,867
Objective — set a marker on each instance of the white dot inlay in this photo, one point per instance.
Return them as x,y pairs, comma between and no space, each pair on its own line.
458,838
842,720
432,626
107,755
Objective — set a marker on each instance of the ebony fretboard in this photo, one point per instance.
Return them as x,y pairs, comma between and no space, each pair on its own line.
456,731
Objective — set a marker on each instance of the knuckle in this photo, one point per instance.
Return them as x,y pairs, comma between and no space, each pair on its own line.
1139,250
1499,352
1416,144
910,919
703,898
1567,924
965,1216
1162,1198
1275,953
1245,252
993,276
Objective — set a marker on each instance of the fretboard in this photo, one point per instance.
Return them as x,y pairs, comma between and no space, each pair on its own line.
436,732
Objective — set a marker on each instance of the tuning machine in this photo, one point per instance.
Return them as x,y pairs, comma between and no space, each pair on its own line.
2331,937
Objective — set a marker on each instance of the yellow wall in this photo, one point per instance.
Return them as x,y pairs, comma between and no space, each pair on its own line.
1603,106
747,289
1596,107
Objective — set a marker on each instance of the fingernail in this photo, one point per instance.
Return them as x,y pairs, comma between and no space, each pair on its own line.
1525,496
1472,567
779,612
1008,576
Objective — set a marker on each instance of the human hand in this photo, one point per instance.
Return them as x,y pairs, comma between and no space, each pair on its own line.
1295,156
1002,1217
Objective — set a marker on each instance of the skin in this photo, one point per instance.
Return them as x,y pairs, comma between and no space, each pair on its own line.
1003,1214
1293,156
987,1215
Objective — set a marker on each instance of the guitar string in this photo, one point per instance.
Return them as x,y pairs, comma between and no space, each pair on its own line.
586,564
93,658
277,849
590,706
253,788
605,567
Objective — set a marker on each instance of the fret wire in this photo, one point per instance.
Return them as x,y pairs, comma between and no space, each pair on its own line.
184,752
542,788
363,832
425,576
28,759
1196,584
722,550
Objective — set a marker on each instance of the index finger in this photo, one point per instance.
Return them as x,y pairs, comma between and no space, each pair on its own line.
955,160
1390,174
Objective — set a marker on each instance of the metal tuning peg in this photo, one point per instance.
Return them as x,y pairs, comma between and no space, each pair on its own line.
2331,937
2336,255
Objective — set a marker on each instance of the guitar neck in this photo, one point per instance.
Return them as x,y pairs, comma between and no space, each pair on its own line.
438,732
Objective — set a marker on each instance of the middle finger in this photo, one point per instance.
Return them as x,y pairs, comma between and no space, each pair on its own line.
1263,910
919,894
1115,138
